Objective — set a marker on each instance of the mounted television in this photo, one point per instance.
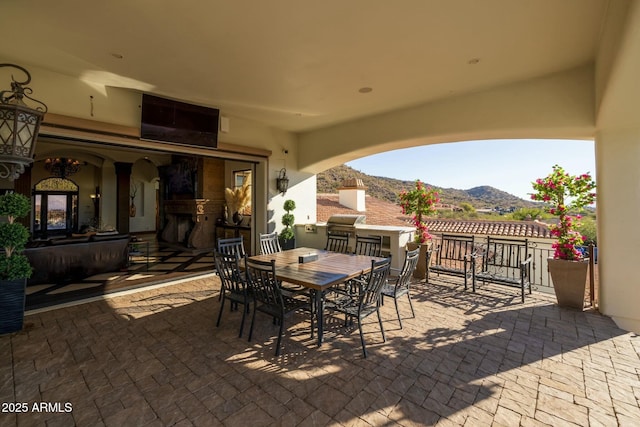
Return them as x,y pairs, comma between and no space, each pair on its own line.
166,120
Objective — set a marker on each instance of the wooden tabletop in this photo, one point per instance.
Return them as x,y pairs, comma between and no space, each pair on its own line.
328,270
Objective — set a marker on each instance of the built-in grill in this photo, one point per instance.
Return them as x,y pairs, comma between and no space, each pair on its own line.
345,224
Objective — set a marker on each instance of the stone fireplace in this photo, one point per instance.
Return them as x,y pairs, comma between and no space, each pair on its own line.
190,223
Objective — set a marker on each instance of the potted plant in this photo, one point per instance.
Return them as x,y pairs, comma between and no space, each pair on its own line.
420,202
14,266
565,194
238,199
287,236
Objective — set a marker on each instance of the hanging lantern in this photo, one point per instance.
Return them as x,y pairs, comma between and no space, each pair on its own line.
19,126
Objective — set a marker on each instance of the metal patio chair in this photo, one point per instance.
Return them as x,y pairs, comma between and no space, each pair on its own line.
366,301
269,297
233,285
368,245
337,242
269,243
232,245
398,286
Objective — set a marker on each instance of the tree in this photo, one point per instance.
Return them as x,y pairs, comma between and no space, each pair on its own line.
419,202
467,207
565,193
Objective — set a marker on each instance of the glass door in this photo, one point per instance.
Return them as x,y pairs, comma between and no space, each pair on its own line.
55,208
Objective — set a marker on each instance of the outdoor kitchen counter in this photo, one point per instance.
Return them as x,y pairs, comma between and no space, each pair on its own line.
394,238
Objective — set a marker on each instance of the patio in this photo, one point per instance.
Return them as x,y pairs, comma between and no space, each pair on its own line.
155,357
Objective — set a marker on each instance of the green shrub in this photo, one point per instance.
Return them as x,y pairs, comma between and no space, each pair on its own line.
287,234
15,267
524,214
13,237
14,205
288,220
289,205
589,230
467,207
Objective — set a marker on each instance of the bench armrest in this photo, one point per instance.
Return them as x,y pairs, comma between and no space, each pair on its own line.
529,260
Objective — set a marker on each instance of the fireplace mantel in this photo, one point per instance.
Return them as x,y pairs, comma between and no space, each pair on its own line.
190,222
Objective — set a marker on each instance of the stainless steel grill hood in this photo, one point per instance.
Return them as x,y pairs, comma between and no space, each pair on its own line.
345,224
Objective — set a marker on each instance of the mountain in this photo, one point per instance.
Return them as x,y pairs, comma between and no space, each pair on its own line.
481,197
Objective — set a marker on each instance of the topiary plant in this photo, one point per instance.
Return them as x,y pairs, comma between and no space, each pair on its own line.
288,220
13,237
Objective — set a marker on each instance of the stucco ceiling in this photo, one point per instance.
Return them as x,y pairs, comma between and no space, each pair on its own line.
299,65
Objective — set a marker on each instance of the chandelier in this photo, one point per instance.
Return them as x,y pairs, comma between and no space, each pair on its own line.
61,167
19,126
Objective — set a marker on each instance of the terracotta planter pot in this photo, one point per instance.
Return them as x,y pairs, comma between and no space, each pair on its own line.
12,295
569,281
421,269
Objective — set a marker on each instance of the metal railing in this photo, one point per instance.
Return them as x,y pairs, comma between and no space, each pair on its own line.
540,277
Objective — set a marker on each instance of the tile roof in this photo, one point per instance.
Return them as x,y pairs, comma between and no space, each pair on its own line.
494,228
381,212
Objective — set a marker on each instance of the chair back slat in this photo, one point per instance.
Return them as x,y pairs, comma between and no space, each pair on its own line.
337,242
369,245
376,278
269,243
409,266
506,252
456,248
228,268
232,245
264,285
504,256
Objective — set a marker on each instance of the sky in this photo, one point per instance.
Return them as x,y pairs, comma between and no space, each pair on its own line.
508,165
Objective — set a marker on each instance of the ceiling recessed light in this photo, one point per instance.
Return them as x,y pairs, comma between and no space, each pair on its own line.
473,61
365,90
117,55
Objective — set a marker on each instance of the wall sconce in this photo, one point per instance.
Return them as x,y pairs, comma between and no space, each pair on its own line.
282,182
95,198
19,126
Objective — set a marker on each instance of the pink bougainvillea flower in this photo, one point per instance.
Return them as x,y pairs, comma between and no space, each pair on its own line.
557,188
420,202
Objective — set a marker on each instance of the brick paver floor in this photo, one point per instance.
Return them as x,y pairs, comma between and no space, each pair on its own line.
156,358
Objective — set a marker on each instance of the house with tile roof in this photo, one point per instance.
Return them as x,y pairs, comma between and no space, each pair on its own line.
382,212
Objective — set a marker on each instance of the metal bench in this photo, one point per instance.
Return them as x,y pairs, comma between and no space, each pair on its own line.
452,256
503,262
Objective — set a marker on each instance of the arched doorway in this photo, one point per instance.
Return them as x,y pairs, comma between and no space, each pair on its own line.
55,207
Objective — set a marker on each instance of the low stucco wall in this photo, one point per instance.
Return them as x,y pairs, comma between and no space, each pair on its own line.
394,238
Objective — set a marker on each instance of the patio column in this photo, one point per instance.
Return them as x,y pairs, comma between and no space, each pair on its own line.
123,182
618,212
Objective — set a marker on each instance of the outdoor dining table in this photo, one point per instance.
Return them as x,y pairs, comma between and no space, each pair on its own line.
318,275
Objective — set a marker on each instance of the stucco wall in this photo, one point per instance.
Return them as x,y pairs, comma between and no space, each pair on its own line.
618,174
82,98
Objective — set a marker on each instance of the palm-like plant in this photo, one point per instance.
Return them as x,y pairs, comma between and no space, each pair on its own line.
239,198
